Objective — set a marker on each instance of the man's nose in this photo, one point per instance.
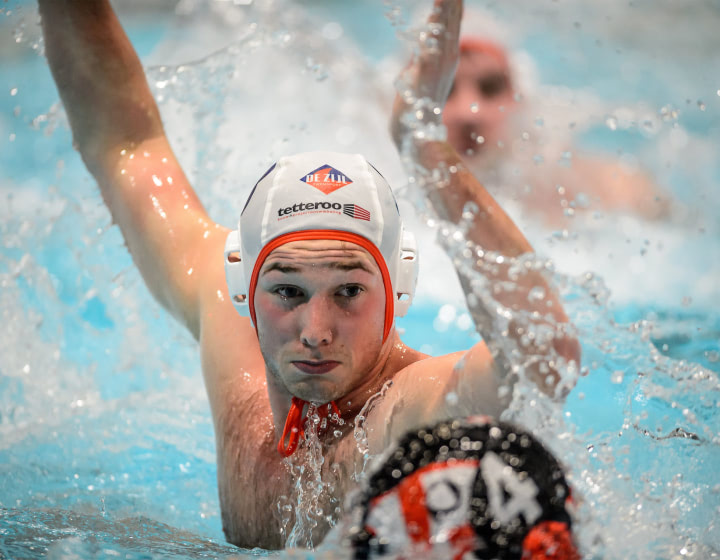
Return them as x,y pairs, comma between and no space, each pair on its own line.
468,107
316,328
476,107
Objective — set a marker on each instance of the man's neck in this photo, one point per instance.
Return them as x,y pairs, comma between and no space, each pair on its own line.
388,363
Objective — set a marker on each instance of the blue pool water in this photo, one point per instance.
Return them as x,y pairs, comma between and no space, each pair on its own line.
106,443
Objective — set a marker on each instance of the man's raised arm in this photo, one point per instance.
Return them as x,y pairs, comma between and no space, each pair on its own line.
117,129
499,253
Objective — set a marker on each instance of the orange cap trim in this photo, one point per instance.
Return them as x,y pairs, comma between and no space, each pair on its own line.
485,46
316,234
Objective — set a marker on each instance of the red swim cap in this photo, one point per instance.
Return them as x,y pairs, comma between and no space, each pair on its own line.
484,46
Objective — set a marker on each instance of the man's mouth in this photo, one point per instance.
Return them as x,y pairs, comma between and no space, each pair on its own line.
315,366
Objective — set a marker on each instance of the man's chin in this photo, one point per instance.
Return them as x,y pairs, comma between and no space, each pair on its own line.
318,391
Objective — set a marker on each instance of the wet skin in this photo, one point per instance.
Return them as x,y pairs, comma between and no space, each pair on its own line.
320,309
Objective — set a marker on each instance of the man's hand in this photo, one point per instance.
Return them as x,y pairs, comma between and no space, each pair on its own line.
425,84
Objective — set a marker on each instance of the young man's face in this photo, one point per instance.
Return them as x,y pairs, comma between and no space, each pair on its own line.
320,309
477,109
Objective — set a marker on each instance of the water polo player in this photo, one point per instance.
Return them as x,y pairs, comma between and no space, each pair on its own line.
318,268
487,116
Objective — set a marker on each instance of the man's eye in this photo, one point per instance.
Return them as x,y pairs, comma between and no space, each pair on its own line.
493,85
350,291
288,292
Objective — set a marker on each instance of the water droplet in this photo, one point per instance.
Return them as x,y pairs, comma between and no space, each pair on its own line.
470,210
617,377
537,293
668,113
474,108
447,313
582,200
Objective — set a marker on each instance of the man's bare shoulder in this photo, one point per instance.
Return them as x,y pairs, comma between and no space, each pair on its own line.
429,389
423,367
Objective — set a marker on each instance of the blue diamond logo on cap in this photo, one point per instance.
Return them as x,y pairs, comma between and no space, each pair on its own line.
326,179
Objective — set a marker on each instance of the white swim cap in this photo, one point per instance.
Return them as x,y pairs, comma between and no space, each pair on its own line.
322,195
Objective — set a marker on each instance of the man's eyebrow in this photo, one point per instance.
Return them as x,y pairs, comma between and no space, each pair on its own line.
350,265
281,267
286,268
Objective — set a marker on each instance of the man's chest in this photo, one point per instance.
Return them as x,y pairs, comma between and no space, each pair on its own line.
272,502
251,479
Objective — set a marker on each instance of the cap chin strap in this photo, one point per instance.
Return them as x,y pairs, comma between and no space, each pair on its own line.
295,424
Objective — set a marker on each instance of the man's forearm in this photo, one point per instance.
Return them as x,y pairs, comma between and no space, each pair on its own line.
99,77
114,118
491,227
503,258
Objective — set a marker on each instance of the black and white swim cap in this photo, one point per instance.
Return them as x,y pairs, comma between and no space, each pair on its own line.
464,489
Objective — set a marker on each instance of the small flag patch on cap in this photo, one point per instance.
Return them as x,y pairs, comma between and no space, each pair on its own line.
355,211
326,179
